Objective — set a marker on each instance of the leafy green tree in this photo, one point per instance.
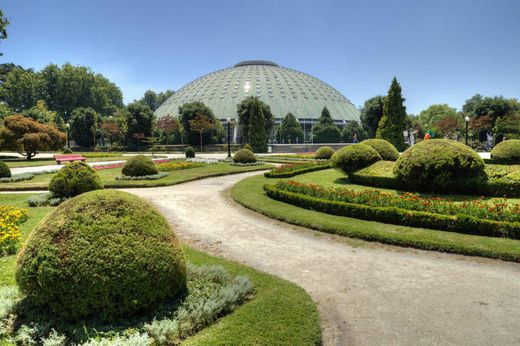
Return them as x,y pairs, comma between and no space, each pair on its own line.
155,100
140,119
353,128
244,113
290,130
40,113
495,107
28,137
395,120
435,114
371,114
257,130
3,24
189,111
201,124
84,124
325,131
168,126
507,127
21,89
4,111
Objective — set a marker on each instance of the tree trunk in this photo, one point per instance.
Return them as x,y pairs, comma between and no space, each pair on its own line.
201,142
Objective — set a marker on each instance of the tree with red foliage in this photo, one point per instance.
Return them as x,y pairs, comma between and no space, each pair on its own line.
168,125
28,137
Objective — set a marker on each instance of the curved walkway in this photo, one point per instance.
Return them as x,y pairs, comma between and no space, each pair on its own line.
367,293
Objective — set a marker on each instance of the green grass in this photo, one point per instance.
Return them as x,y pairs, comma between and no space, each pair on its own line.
15,163
249,192
108,177
281,313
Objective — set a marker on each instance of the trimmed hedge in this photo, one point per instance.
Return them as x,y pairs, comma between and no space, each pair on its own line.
384,148
248,147
507,152
105,254
397,216
354,157
138,166
324,153
74,179
314,168
190,153
5,171
440,165
244,156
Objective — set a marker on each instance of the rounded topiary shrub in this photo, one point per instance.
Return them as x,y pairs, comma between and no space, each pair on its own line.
66,150
73,179
248,147
354,157
105,254
138,166
5,171
386,149
439,165
507,151
324,153
244,156
190,153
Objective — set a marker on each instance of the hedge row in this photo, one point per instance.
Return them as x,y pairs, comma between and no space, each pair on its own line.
493,187
397,216
272,174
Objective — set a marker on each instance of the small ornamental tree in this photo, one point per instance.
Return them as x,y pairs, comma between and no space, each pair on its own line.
188,112
167,125
290,130
111,129
325,131
394,120
28,137
84,125
201,124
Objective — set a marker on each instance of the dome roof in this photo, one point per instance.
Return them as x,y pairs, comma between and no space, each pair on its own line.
283,89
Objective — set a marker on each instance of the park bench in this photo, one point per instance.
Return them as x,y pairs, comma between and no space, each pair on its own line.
69,158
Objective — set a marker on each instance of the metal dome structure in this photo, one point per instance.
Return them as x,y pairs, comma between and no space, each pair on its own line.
283,89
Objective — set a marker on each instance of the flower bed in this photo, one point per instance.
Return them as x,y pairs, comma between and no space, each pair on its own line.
292,169
122,164
142,177
10,220
498,219
241,164
178,165
203,160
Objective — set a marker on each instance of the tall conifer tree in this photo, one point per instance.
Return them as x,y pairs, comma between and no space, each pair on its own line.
394,120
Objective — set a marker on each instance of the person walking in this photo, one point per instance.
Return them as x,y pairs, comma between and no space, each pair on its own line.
354,138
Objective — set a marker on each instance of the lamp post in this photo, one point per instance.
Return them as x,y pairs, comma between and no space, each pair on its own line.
67,127
466,119
229,138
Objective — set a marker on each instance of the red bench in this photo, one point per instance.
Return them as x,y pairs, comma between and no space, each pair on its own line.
69,158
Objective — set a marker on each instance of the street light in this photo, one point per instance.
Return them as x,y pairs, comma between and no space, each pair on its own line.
466,119
228,138
67,127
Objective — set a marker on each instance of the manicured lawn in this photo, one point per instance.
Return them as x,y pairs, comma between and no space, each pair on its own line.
13,163
281,313
108,176
249,193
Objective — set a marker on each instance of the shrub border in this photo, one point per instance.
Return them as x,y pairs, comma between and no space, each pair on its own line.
272,174
459,223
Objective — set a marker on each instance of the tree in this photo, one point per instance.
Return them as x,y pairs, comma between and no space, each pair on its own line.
110,129
154,100
507,126
201,124
371,114
28,137
189,111
244,113
325,131
140,119
168,126
290,130
4,111
21,89
40,113
435,113
84,125
395,120
3,24
352,128
257,134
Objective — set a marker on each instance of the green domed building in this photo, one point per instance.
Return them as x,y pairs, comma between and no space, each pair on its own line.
283,89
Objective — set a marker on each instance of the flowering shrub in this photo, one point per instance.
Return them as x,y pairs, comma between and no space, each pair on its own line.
178,165
108,166
497,209
203,160
10,219
292,169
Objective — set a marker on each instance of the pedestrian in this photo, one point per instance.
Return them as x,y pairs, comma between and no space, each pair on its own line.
489,141
427,136
354,138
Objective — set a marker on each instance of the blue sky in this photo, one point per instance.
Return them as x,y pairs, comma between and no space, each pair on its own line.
442,51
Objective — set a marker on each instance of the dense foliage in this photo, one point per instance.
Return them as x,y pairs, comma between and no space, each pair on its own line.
122,256
139,119
325,131
178,165
387,151
74,179
371,114
139,165
353,130
324,153
28,137
244,156
189,153
439,165
394,120
353,157
248,147
441,119
5,171
244,113
84,125
188,112
507,151
293,169
155,100
290,130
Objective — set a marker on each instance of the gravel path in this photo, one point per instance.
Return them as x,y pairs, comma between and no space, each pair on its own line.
367,293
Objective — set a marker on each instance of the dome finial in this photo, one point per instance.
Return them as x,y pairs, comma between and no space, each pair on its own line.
255,62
